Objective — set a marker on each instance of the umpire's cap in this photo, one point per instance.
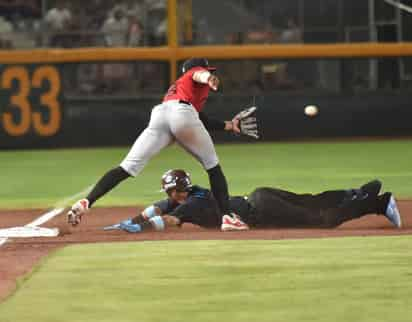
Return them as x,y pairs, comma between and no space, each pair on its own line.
196,62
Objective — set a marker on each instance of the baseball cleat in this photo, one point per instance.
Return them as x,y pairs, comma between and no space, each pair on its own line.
129,226
74,216
392,213
233,222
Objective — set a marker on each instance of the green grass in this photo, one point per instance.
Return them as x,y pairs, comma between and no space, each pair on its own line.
346,279
41,178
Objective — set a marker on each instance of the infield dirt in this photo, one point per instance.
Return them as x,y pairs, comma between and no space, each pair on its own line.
18,256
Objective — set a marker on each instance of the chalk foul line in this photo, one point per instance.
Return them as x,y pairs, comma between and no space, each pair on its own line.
32,229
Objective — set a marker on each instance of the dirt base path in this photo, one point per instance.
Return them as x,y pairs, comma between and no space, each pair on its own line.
18,256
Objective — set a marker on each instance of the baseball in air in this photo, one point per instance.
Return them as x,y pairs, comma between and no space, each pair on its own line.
311,110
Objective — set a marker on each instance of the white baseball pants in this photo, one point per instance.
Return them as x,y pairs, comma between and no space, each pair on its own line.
171,121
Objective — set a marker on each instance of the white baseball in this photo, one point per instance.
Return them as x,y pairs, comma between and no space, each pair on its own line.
311,110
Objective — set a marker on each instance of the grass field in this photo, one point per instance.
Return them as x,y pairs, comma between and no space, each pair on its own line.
347,279
41,178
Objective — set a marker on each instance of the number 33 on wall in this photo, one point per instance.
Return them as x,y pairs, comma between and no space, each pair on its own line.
20,101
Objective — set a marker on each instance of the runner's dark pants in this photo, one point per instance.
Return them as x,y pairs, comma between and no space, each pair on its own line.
279,208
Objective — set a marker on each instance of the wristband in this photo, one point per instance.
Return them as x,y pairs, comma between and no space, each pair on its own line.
158,223
149,212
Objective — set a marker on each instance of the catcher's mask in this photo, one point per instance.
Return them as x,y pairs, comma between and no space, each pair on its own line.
176,179
197,62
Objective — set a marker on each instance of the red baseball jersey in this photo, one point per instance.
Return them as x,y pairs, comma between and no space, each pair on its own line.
186,89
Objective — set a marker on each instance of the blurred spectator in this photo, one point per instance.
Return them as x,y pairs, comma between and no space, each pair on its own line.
291,34
137,8
275,76
26,32
160,33
5,26
115,29
131,7
96,13
201,32
6,29
135,31
77,34
157,21
259,34
58,20
115,76
156,4
234,38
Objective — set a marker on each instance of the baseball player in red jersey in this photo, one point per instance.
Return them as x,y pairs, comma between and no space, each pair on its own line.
179,118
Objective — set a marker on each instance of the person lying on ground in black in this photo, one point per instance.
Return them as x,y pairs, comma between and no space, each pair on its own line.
263,208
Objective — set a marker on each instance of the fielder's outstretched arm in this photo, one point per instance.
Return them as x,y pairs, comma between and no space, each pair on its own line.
206,77
245,122
212,124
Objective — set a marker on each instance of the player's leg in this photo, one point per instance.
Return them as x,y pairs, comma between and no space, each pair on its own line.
150,142
330,198
274,207
269,210
384,205
191,134
338,206
339,198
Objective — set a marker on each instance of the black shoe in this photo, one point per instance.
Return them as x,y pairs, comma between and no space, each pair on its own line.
369,191
372,188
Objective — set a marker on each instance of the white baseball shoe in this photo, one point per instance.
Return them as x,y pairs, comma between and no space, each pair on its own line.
233,222
74,216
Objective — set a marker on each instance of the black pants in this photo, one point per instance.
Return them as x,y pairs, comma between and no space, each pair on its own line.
279,208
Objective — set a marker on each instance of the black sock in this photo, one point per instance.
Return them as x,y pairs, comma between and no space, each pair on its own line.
110,180
382,203
219,188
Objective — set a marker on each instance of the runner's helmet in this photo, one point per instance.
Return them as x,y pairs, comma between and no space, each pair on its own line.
176,179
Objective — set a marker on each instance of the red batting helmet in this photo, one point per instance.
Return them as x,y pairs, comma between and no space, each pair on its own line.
176,179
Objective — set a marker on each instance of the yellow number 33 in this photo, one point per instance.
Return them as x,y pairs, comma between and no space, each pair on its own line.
21,101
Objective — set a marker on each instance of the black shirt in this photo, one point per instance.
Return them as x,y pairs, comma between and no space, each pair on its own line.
201,208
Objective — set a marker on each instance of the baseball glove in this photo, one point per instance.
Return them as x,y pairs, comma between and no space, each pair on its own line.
248,122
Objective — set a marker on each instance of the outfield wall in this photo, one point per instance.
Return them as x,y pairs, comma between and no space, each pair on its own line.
38,108
103,122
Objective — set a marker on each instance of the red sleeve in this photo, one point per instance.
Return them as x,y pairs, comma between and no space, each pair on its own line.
190,72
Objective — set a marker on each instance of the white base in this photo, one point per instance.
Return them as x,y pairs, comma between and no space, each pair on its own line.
27,231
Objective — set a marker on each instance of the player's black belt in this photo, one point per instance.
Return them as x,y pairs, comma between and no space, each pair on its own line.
184,102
